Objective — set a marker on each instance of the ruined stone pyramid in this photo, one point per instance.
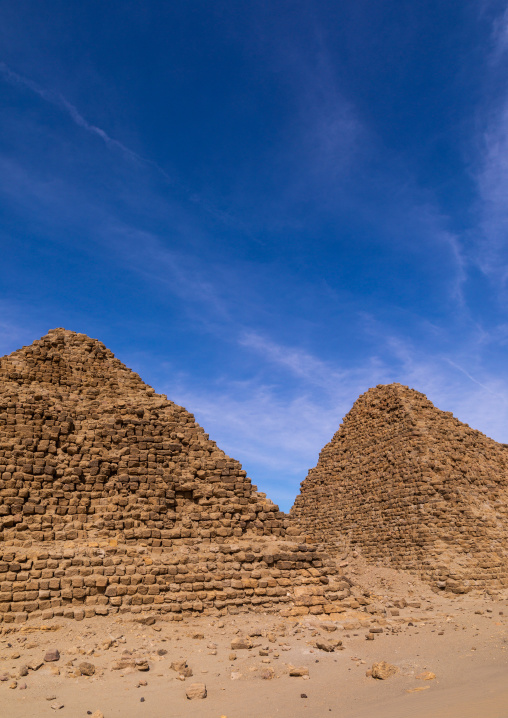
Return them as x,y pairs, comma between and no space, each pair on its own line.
411,486
113,498
92,450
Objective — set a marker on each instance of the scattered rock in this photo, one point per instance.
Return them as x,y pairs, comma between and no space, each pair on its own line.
52,655
330,627
86,669
196,690
417,690
426,676
298,671
35,665
240,643
383,670
146,620
325,646
182,668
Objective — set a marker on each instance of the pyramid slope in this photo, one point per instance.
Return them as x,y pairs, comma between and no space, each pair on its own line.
411,485
87,446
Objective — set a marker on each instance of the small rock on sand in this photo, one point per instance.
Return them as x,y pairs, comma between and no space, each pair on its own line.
298,671
383,670
241,643
267,674
53,655
196,690
86,669
426,676
181,668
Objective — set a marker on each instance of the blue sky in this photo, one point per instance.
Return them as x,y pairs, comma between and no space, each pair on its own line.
263,208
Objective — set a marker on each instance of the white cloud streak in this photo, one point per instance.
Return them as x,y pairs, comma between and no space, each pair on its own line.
59,101
491,171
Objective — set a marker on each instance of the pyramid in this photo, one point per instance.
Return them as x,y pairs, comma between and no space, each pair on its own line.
113,498
412,487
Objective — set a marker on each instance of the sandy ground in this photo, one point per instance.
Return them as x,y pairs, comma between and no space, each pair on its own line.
461,641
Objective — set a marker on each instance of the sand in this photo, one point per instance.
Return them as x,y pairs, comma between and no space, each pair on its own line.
451,656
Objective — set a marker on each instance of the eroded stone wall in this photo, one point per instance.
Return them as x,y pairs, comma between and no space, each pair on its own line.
81,581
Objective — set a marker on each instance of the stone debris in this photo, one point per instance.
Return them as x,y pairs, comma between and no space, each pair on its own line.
53,655
328,646
267,674
86,669
410,486
383,670
35,665
426,676
298,671
113,499
240,643
182,669
196,691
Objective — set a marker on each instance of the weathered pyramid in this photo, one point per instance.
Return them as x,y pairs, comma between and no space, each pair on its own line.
113,498
412,486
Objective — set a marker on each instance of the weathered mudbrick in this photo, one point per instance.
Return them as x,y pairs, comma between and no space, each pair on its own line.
113,498
410,485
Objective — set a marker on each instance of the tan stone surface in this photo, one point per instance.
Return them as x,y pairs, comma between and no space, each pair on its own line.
410,486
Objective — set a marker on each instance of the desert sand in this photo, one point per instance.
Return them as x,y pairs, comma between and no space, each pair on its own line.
450,657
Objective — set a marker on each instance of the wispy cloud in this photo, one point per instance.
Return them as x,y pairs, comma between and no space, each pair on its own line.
297,361
491,166
56,99
499,36
175,268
